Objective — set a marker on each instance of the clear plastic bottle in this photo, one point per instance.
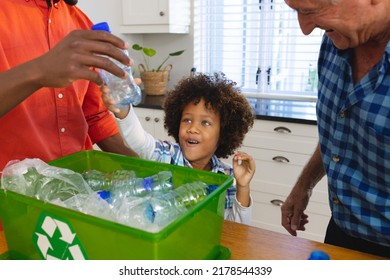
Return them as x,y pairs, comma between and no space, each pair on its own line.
97,180
122,91
162,208
159,206
160,182
124,183
190,194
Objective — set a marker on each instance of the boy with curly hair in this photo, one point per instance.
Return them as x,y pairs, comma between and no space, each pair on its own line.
208,117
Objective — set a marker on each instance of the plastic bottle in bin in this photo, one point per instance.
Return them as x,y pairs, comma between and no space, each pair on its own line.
159,182
123,91
99,180
190,194
162,208
124,183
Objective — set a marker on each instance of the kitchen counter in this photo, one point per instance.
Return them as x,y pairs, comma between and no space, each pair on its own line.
267,109
251,243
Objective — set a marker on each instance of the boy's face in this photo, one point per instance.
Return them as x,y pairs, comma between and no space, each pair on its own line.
199,134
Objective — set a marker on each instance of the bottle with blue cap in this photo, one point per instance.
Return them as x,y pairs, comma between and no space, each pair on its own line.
160,205
163,208
159,182
124,183
122,91
99,180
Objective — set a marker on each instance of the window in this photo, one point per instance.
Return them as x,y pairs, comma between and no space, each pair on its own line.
258,44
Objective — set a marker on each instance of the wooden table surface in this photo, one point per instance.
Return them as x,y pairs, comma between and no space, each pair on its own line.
251,243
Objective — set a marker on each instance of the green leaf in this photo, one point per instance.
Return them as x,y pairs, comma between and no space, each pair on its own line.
149,52
177,53
137,47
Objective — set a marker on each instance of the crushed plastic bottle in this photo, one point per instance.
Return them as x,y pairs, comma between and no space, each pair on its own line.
163,208
190,194
97,180
35,178
122,91
157,207
160,182
124,183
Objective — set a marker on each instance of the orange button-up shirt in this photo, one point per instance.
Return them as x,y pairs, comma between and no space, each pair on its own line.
52,122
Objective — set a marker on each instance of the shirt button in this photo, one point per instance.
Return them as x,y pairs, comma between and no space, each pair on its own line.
62,129
336,159
60,95
342,114
335,200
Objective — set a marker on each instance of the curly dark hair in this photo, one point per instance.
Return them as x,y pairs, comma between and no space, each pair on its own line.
222,96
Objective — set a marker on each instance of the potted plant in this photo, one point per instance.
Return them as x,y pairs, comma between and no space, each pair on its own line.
154,80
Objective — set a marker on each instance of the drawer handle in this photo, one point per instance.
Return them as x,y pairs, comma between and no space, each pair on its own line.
147,119
282,129
281,159
277,202
156,119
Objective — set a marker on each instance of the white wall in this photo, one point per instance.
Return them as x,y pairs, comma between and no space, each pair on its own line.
111,11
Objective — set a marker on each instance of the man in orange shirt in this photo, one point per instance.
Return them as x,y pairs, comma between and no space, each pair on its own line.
50,101
56,110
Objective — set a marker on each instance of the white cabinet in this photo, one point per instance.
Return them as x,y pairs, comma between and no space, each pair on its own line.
156,16
281,150
152,121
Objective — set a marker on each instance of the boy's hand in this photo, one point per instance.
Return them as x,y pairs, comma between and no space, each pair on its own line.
119,112
244,168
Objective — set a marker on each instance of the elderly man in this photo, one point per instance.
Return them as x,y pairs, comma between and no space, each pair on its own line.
353,113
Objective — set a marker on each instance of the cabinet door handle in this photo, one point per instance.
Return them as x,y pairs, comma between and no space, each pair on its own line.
281,159
277,202
282,129
162,14
147,119
156,119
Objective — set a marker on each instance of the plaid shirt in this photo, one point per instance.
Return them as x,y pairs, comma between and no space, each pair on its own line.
169,152
354,129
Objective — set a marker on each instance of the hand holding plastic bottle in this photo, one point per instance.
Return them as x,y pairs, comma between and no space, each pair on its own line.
122,91
77,53
73,58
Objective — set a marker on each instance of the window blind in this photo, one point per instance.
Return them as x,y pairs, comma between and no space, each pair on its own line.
259,45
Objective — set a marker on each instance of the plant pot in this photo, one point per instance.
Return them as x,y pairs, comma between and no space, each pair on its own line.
155,83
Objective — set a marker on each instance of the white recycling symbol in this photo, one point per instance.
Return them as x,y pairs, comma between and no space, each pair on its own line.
49,226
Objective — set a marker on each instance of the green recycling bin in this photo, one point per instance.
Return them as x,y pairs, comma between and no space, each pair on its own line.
38,230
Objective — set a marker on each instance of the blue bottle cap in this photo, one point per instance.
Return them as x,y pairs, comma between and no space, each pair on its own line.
211,188
104,194
101,26
148,183
318,255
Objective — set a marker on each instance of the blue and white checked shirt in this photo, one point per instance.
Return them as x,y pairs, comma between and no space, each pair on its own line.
354,129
